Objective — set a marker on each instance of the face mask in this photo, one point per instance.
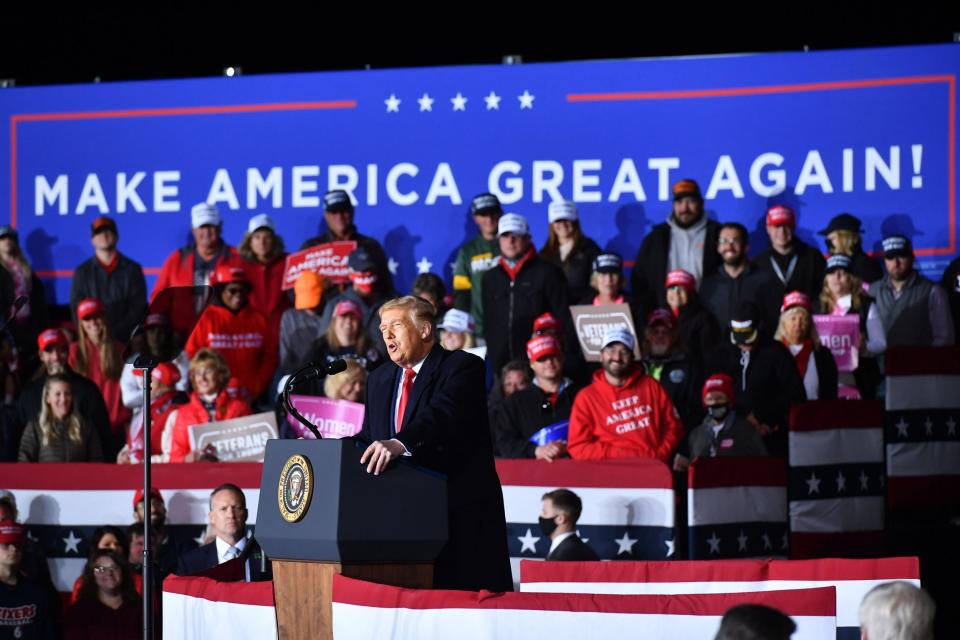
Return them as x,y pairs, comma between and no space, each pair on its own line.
717,411
548,525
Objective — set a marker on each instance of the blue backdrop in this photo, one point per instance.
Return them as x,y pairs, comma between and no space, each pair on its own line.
871,132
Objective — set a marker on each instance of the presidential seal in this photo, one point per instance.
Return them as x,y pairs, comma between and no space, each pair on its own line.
295,488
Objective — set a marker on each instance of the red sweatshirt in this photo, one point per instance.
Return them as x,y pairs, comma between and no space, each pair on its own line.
193,413
637,420
109,388
243,339
267,293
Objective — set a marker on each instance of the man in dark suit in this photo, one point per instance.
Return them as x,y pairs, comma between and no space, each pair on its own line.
228,522
432,407
558,521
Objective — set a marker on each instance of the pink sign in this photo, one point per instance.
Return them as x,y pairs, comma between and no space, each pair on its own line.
333,418
840,334
329,260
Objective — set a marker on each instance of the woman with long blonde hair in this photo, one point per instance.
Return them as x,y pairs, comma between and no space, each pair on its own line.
96,355
59,434
569,249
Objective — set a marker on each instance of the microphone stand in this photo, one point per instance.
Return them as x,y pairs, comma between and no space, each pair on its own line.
146,365
330,369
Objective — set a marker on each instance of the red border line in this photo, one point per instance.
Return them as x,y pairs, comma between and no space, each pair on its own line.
728,92
150,113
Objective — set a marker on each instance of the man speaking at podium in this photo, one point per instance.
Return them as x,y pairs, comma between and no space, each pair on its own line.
432,407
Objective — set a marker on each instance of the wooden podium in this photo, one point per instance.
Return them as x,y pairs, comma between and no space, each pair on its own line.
320,513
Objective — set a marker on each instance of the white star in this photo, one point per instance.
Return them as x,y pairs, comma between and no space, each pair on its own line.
902,427
864,480
741,541
392,265
71,542
813,484
783,543
393,104
841,482
626,543
951,427
526,100
493,101
528,542
714,542
766,542
581,537
200,538
928,425
670,545
426,103
459,102
453,266
424,266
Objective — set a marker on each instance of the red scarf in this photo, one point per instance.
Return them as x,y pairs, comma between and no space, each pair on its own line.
513,271
803,356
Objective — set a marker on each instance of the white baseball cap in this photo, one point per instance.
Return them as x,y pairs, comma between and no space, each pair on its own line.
457,321
260,221
513,223
562,210
204,213
618,334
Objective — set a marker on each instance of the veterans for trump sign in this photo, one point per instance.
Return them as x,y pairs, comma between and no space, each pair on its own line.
236,440
329,260
593,321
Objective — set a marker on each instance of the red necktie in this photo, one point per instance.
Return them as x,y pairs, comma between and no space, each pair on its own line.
408,375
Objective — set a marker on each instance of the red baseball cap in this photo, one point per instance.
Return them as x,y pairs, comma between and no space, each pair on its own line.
12,532
796,299
51,337
227,273
166,373
348,307
542,346
661,316
681,278
89,308
781,214
546,322
138,496
719,382
156,320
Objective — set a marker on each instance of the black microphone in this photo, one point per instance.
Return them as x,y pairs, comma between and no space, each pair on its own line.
329,369
15,309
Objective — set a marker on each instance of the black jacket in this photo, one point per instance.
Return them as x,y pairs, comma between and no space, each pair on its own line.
826,373
86,397
868,269
445,428
384,278
770,386
807,274
699,330
681,376
736,438
951,284
577,268
205,557
511,306
573,549
526,412
123,293
721,295
649,276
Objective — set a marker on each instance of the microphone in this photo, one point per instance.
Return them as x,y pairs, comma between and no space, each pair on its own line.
329,369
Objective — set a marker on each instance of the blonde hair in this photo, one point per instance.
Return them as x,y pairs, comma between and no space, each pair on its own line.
856,294
247,253
46,420
110,362
210,357
595,277
333,384
551,250
843,241
792,311
420,310
363,340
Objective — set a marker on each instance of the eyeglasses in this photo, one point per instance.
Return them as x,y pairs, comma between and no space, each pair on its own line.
102,569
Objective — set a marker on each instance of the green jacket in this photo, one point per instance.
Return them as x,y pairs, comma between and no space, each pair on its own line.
473,260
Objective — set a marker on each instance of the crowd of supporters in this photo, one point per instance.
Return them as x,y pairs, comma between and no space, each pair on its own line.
724,344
